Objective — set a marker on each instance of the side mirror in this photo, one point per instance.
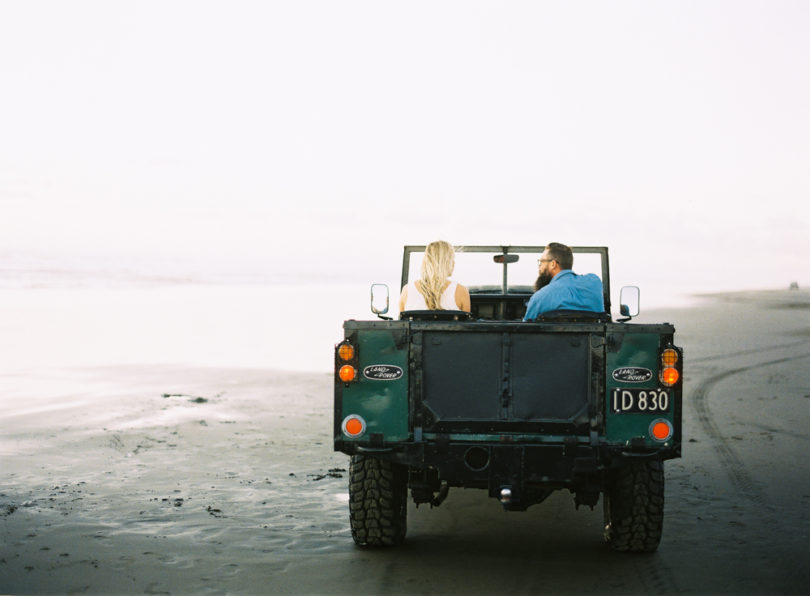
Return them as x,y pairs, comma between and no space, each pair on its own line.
379,299
629,300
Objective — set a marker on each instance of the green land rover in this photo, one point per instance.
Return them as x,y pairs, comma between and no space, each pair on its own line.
573,400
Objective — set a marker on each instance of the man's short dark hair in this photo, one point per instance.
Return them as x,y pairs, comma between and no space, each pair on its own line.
562,254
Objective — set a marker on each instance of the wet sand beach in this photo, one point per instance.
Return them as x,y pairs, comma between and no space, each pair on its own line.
166,479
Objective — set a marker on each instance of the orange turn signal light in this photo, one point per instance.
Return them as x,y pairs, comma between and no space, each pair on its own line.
347,373
661,430
346,352
669,357
669,376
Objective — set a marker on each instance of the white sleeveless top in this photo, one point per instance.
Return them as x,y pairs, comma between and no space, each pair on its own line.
416,301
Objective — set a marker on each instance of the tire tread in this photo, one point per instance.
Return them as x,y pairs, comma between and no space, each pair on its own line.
634,508
377,501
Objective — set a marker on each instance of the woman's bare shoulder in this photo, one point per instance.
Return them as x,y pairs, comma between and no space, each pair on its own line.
462,297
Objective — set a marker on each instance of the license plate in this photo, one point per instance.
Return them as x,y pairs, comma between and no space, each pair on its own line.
642,401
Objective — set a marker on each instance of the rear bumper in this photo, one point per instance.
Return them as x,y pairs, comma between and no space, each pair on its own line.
530,471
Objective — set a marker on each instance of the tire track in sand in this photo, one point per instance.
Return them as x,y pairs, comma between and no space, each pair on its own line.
656,576
735,467
701,360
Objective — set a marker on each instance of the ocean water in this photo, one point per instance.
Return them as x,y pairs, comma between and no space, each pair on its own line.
81,316
289,326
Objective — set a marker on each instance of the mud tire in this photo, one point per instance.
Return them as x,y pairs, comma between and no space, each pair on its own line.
378,501
634,507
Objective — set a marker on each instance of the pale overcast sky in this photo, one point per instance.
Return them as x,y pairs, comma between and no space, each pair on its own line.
676,133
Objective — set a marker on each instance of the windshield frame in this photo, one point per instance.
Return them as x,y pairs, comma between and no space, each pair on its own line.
495,250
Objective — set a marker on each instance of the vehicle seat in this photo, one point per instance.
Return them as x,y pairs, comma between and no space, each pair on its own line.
573,316
435,315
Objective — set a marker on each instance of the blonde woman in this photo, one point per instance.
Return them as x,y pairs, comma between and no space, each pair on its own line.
434,290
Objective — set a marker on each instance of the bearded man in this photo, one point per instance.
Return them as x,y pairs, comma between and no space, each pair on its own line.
559,288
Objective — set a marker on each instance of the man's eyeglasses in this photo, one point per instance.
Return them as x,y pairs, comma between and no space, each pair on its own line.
541,261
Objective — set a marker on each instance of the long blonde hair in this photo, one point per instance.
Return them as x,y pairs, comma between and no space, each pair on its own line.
437,266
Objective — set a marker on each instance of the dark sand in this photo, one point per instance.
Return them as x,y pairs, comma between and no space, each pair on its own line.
161,480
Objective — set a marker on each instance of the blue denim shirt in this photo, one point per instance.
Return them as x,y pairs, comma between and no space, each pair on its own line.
570,291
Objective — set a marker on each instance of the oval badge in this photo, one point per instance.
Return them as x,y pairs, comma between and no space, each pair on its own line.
382,372
632,374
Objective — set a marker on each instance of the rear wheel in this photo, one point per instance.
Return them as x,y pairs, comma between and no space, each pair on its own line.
634,507
378,501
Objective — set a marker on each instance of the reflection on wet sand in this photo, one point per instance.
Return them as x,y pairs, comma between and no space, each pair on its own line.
184,479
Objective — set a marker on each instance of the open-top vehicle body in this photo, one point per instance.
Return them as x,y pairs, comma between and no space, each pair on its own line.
573,400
